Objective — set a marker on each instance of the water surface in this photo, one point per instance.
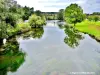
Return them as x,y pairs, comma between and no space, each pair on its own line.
54,50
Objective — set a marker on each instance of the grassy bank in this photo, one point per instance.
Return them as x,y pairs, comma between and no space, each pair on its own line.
92,28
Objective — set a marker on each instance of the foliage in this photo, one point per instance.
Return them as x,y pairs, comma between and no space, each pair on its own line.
3,30
74,14
51,17
27,12
44,19
20,28
96,13
93,18
10,13
60,14
36,21
23,26
38,12
12,18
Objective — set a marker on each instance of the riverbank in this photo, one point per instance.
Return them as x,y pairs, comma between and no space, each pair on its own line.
91,28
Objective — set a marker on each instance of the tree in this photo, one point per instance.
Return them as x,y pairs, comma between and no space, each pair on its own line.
38,12
10,12
27,12
61,14
36,21
74,14
96,13
3,25
93,18
3,31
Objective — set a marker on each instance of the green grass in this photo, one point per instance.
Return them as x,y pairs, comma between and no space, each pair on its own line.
90,27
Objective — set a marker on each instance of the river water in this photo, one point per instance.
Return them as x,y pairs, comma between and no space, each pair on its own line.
55,50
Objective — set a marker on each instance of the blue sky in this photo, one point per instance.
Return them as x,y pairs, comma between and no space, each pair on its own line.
88,6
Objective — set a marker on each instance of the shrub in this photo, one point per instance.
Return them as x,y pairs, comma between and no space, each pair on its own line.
93,18
36,21
23,27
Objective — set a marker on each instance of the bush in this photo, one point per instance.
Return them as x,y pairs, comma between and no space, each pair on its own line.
50,17
12,18
23,26
36,21
3,29
93,18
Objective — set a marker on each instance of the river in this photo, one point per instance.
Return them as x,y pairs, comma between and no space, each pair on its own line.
55,50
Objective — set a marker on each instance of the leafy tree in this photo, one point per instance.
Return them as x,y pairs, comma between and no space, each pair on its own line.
38,12
74,14
61,14
3,25
27,12
3,31
36,21
10,12
96,13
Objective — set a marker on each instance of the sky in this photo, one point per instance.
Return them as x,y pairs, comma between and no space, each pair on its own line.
88,6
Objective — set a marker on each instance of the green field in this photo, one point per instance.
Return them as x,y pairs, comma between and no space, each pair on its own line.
90,27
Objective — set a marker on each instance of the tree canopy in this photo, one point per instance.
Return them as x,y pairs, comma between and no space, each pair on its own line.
74,14
10,13
60,15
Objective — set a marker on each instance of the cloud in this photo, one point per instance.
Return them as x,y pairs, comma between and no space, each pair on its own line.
88,6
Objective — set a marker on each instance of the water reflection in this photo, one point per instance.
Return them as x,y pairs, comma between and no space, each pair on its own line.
50,55
11,57
34,33
60,25
73,36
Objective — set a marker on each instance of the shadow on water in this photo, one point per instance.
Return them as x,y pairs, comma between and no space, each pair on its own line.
73,36
11,57
35,33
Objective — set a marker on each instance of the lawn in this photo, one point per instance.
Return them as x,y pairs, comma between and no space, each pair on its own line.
92,28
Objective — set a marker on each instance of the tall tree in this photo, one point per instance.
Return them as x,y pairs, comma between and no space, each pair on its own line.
74,14
27,12
10,12
3,25
61,14
38,12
